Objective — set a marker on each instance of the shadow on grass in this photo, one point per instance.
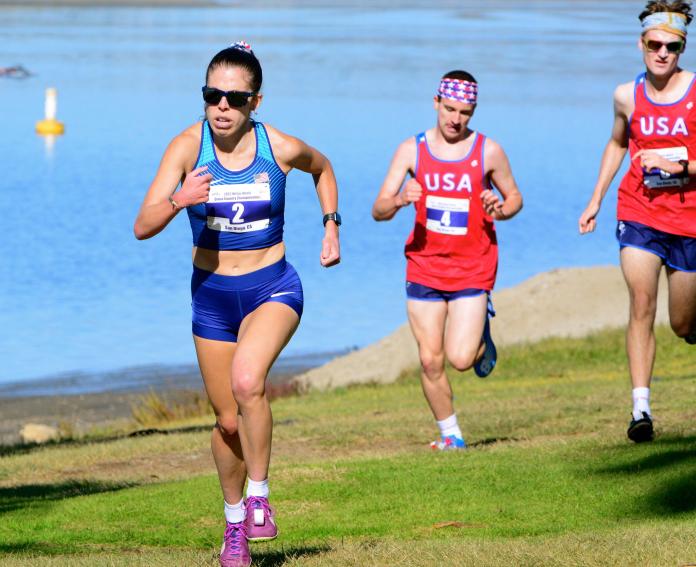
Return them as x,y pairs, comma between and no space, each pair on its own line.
30,548
277,557
672,491
674,497
37,495
25,448
666,452
492,441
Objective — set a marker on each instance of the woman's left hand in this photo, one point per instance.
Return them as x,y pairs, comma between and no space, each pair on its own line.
330,248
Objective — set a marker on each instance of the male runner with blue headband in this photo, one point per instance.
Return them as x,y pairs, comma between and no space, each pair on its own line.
654,118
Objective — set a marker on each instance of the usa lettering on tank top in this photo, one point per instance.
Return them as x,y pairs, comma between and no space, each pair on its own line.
245,208
656,198
453,244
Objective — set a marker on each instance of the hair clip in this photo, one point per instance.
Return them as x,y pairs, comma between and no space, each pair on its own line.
243,45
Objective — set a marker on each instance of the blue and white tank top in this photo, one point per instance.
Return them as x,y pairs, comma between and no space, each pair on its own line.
245,208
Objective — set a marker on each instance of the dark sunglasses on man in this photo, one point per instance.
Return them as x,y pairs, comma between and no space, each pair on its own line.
653,45
235,99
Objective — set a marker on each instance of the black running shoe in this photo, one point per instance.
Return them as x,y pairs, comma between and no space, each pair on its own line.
691,338
641,430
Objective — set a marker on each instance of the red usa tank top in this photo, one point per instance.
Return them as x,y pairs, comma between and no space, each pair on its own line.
652,198
453,244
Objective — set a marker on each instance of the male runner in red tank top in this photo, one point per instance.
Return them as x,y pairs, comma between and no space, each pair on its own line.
654,118
452,253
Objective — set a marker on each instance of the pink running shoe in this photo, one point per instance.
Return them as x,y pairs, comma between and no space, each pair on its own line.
235,548
260,524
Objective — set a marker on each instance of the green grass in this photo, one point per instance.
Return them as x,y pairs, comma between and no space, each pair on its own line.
549,479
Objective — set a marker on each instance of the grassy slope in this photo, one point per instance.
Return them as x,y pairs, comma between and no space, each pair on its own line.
549,479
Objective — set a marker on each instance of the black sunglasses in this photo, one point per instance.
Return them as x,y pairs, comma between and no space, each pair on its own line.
236,99
672,47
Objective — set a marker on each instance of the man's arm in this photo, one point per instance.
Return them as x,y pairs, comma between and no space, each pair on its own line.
612,157
501,176
390,199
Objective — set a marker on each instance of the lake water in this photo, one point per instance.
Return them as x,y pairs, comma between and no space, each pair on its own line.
354,79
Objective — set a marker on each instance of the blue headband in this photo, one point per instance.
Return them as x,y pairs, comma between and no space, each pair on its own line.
672,22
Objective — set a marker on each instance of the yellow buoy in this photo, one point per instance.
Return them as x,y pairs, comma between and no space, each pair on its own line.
49,125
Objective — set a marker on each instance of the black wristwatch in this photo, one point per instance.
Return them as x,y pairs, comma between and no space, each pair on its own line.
332,216
685,164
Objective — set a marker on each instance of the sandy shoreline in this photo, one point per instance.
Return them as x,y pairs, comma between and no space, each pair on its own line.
78,413
570,302
81,401
145,377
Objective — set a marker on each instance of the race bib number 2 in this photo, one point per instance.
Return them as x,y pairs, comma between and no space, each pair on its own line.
243,207
447,215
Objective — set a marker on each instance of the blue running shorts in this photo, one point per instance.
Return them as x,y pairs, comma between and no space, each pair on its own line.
677,252
420,292
220,303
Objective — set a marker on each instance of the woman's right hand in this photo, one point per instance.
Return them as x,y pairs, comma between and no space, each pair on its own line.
195,188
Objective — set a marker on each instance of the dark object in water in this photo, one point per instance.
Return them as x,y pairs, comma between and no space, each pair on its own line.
15,72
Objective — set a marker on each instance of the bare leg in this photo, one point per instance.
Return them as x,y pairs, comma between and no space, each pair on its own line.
466,318
262,336
215,360
427,319
682,301
641,271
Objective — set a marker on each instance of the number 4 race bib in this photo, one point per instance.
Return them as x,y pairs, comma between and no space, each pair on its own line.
446,215
244,207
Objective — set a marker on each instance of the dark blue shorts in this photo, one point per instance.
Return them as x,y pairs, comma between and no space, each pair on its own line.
420,292
220,303
677,252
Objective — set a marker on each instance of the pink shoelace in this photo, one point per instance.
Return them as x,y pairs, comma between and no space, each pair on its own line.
258,502
235,534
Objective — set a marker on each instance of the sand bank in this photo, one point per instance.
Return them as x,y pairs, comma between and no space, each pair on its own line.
569,302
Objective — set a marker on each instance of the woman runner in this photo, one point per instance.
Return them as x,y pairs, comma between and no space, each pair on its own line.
246,298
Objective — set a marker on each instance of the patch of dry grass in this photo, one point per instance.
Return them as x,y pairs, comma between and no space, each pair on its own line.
153,409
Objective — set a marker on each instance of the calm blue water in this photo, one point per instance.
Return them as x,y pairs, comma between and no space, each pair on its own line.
79,293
